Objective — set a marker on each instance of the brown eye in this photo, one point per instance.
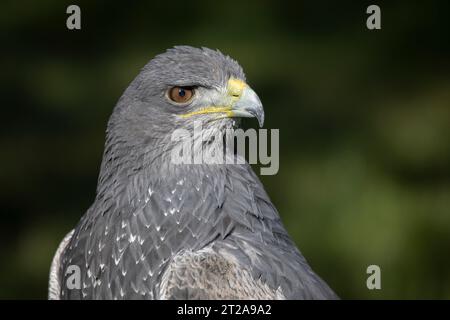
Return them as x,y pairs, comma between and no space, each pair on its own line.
181,94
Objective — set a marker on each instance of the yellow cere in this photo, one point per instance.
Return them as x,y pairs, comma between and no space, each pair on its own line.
234,90
235,87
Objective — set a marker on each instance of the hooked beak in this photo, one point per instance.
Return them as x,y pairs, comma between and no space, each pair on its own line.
239,101
248,106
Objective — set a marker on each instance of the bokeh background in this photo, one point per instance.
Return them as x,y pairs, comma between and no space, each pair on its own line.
364,119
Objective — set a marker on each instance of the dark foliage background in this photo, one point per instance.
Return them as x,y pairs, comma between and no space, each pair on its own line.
364,119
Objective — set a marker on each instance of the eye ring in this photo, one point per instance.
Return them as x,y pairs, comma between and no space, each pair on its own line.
180,95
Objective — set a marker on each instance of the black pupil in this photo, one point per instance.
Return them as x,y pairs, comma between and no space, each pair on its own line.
181,92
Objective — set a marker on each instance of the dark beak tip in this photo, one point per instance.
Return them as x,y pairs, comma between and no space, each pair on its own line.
261,123
260,117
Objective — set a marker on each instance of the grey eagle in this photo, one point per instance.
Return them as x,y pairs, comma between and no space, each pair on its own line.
162,230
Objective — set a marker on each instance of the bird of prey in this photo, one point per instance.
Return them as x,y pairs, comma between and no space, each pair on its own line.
160,230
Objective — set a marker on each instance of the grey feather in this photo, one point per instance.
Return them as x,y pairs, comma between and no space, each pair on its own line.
162,231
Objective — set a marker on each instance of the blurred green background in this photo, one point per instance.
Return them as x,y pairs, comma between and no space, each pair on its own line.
364,119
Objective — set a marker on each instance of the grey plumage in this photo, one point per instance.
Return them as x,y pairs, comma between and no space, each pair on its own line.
162,231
